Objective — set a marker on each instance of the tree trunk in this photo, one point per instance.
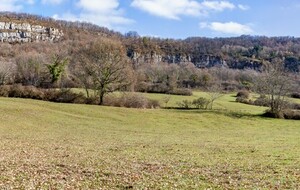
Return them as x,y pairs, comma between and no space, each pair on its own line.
101,95
87,92
101,99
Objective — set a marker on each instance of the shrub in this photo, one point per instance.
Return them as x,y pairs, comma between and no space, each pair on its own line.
16,91
158,88
162,88
153,104
184,104
131,100
64,96
166,100
243,94
112,100
290,114
296,106
19,91
295,95
182,92
201,103
243,100
33,93
262,101
142,87
292,105
270,114
92,100
4,90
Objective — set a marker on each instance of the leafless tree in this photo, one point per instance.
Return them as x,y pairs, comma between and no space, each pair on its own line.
214,92
104,62
29,69
275,83
5,72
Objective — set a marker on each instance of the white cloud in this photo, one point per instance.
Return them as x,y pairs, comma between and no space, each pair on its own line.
13,5
98,6
243,7
9,5
218,5
231,28
54,2
173,9
101,12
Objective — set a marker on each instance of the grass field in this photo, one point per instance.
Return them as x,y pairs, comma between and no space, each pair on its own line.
64,146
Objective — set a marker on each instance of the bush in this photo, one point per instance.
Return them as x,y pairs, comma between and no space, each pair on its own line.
243,94
293,106
33,93
64,96
296,106
153,104
16,91
4,90
182,92
142,87
131,100
92,100
243,100
262,101
290,114
295,95
184,104
19,91
270,114
157,88
201,103
162,88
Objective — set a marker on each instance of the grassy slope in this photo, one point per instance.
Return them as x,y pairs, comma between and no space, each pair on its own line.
52,145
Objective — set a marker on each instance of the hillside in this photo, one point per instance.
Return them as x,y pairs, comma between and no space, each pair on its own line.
237,53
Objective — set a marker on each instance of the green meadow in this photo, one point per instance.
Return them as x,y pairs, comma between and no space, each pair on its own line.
47,145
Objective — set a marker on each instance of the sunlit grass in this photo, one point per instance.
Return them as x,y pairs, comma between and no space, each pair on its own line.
59,146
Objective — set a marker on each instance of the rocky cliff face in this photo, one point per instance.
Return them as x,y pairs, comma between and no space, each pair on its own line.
25,32
200,61
157,58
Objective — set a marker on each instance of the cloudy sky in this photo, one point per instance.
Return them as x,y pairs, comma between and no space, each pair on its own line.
174,18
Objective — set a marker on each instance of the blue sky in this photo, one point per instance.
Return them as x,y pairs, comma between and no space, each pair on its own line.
174,18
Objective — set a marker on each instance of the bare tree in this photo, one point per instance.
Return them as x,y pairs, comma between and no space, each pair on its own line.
29,69
5,72
214,92
83,76
275,83
166,100
106,63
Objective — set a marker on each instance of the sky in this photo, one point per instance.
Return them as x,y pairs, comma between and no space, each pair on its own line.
177,19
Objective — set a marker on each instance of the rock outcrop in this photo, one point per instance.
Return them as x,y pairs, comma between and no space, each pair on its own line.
200,60
24,32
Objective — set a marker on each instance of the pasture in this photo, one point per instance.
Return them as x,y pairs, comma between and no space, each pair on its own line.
47,145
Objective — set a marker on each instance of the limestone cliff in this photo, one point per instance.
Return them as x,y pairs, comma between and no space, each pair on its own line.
199,60
24,32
